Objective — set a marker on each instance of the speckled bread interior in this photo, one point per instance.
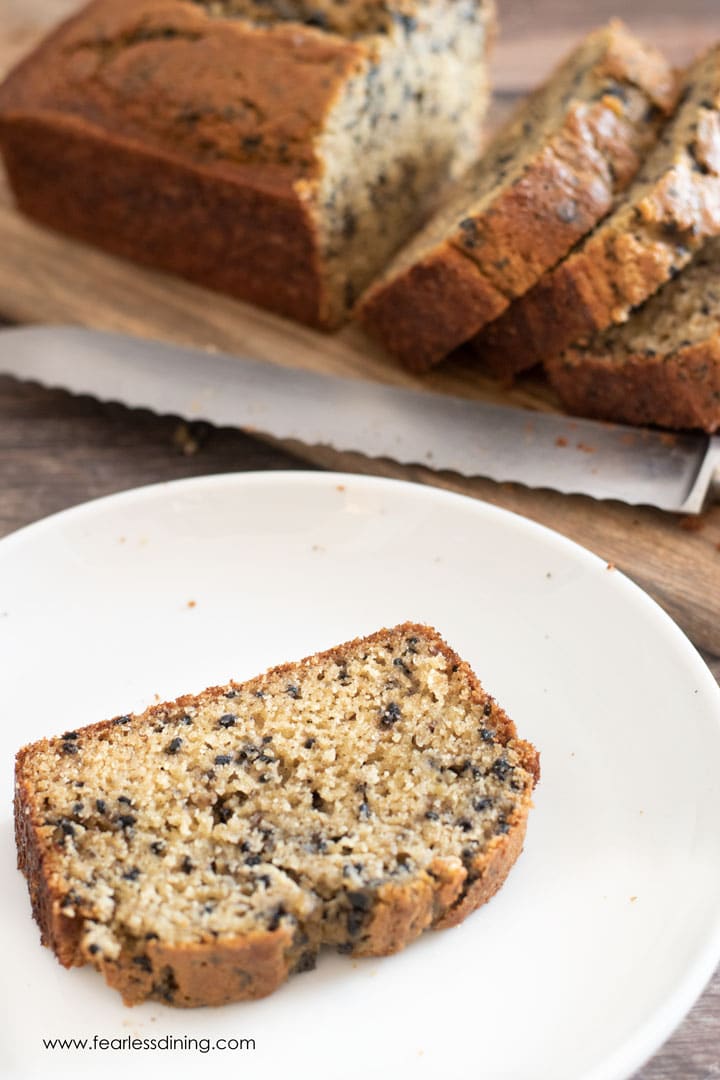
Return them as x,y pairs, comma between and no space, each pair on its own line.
202,851
660,367
662,220
278,150
544,181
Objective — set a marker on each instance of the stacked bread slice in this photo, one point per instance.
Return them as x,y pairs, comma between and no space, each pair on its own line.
547,178
662,366
626,319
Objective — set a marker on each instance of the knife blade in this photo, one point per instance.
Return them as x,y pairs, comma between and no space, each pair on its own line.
675,472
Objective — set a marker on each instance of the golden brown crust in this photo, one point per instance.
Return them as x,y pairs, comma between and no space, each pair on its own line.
257,245
207,973
417,314
216,971
679,390
430,308
213,192
488,872
34,859
625,261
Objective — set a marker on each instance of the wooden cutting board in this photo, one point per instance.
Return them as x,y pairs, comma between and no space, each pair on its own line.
48,279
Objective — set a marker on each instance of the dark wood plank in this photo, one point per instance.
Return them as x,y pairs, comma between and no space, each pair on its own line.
57,451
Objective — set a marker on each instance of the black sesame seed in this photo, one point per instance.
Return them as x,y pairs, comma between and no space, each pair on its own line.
253,860
228,720
354,921
69,748
293,691
364,811
274,921
125,799
390,715
223,814
127,820
186,865
223,759
67,827
151,936
174,745
309,743
398,662
432,815
157,847
264,779
186,720
469,230
306,962
71,735
502,825
230,693
482,804
501,768
317,18
266,739
77,807
486,734
487,708
260,693
122,719
359,900
132,875
465,824
101,806
93,949
143,962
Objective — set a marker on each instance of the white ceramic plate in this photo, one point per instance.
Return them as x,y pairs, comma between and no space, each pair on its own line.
609,924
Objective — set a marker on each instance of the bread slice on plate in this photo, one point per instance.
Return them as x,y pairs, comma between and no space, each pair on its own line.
663,218
660,367
280,152
543,182
202,851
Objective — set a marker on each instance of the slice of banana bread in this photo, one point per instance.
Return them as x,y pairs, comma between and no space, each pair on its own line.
278,150
660,367
544,181
200,852
665,216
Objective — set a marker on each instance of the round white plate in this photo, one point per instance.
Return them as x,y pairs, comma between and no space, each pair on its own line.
608,926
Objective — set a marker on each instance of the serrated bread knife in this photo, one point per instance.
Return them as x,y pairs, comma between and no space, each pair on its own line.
543,450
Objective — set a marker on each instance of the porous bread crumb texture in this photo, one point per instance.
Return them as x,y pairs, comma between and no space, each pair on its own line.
277,151
660,367
544,181
202,851
665,216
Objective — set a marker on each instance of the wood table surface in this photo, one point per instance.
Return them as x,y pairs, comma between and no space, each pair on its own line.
57,451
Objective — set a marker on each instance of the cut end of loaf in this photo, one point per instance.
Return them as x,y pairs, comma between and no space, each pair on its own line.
204,850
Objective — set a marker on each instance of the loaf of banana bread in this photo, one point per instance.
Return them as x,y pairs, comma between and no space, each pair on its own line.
544,181
278,150
666,214
202,851
660,367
